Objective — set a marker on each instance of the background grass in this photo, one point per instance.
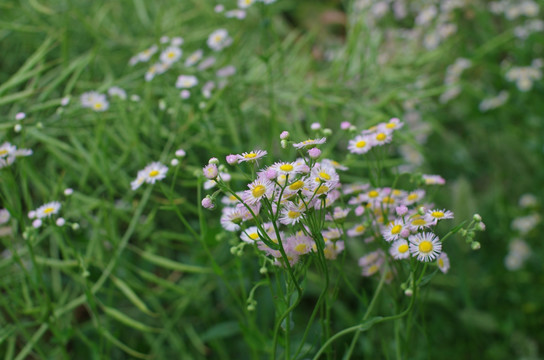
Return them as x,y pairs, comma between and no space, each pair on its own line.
118,287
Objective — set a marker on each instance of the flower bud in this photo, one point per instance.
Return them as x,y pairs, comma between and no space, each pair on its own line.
232,159
284,144
207,203
345,125
284,135
314,153
475,245
477,217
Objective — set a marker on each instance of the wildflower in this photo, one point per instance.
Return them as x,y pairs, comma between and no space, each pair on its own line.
17,128
314,153
251,156
299,244
372,262
226,71
20,116
180,153
47,210
401,210
382,138
356,230
60,222
393,230
400,249
231,219
219,8
65,101
37,223
206,63
4,216
219,39
207,203
186,81
518,253
284,135
145,55
194,58
150,174
426,246
207,89
243,4
176,41
171,54
285,168
443,262
236,13
345,125
184,94
258,189
94,100
360,145
414,197
164,39
174,162
418,222
118,92
435,215
434,180
309,142
291,214
210,171
68,191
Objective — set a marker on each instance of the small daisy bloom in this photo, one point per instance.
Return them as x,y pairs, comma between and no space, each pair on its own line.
294,187
210,171
286,168
250,235
309,143
48,209
244,4
7,150
360,145
171,54
331,234
140,179
393,230
393,124
116,91
291,214
146,54
177,41
338,213
4,216
154,172
425,246
443,262
219,39
332,249
381,138
372,262
236,13
226,71
231,218
258,189
414,197
419,222
400,249
434,180
194,58
299,244
436,214
186,81
251,156
334,164
356,230
206,63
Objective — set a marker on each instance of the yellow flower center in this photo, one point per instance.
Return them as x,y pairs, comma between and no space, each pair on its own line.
391,125
441,262
250,155
437,214
324,175
419,222
171,54
296,185
396,229
300,248
360,228
293,214
286,167
403,248
48,210
425,246
360,144
97,106
381,137
373,194
153,173
3,152
388,200
373,269
258,191
412,197
253,236
322,189
396,192
233,198
217,38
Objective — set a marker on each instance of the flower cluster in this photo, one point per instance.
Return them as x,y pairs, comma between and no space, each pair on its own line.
494,102
46,211
525,76
378,135
9,152
278,211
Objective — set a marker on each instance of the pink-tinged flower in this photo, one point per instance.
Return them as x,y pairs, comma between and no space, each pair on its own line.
309,142
284,135
207,203
434,180
251,156
314,153
210,171
401,210
443,262
345,125
400,249
232,159
258,189
360,145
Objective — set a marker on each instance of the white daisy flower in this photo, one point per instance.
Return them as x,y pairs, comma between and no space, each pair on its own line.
414,197
382,138
433,180
206,63
194,58
299,244
236,13
171,54
258,189
251,156
418,222
309,142
443,262
393,230
291,214
231,219
244,4
116,91
219,39
400,249
436,214
154,172
250,235
360,145
425,246
186,81
146,54
46,210
356,230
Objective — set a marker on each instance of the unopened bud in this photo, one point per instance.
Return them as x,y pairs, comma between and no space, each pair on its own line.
477,217
475,245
